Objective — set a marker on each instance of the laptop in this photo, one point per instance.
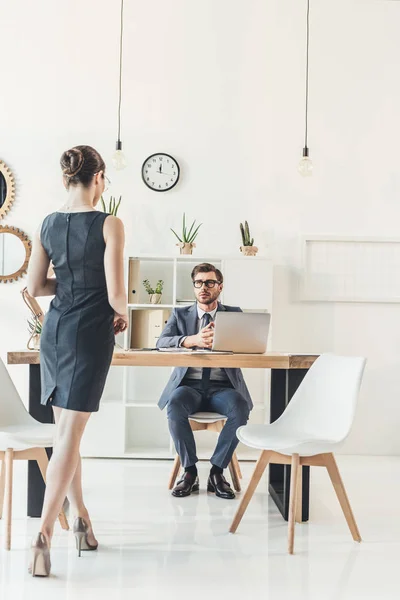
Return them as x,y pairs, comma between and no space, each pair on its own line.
243,333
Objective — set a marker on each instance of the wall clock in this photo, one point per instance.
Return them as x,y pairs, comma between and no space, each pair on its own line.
160,172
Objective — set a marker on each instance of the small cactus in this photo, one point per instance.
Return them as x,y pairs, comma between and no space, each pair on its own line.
245,231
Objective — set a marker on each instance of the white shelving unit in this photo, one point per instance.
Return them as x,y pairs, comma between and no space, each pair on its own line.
129,423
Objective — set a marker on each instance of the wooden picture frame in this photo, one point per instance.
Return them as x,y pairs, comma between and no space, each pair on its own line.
10,186
9,278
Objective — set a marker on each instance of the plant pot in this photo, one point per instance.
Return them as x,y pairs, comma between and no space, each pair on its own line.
155,298
249,250
185,248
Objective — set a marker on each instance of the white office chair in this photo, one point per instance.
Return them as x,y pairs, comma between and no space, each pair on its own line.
314,424
21,438
208,421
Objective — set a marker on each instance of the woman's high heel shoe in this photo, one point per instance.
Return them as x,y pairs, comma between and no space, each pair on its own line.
40,563
81,536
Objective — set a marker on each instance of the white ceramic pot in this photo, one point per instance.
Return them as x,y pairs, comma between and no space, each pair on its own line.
249,250
155,298
186,248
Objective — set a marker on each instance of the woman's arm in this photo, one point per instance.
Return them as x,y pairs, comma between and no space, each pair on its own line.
38,282
114,237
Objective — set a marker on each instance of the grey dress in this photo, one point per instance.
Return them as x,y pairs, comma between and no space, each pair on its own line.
77,341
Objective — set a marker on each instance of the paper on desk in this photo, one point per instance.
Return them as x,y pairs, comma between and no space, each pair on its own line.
174,349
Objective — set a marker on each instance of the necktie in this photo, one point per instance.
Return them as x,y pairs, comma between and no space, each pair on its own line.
205,378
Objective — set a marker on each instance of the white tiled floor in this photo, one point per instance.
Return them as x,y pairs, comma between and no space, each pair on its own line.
157,546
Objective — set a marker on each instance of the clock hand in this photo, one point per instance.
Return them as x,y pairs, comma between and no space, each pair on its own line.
160,167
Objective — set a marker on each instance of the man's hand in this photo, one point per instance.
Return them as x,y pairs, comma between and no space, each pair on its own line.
204,339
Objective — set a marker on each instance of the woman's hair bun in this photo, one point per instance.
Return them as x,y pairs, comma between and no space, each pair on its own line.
72,162
80,164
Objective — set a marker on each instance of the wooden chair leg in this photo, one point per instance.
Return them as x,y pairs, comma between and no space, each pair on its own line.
235,461
299,496
174,472
43,461
2,485
234,476
292,500
341,494
254,481
9,459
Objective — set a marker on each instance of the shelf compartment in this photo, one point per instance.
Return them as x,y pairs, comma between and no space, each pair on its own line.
153,270
104,434
113,389
147,430
146,326
145,386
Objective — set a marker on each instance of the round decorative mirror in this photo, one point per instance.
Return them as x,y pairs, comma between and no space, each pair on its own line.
7,189
15,251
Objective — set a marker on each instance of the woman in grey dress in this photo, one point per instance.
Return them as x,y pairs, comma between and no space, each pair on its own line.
85,247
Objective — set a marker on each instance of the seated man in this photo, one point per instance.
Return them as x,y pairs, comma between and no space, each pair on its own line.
191,390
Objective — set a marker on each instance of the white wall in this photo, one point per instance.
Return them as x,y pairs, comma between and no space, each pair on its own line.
220,86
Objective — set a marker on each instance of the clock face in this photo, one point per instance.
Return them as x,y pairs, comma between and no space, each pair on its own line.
160,172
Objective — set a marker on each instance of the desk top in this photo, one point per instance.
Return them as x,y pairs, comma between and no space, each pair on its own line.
269,360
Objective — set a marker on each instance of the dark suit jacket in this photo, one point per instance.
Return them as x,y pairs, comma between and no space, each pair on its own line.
183,322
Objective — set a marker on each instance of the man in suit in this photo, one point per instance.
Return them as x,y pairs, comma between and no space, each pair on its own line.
191,390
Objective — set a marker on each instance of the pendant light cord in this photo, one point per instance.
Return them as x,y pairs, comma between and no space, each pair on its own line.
307,49
120,70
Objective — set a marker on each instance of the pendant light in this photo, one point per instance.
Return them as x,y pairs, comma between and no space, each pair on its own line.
118,158
305,164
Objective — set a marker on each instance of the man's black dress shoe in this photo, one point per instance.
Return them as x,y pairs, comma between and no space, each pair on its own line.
219,485
185,486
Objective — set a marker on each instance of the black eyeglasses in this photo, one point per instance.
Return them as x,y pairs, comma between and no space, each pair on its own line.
210,283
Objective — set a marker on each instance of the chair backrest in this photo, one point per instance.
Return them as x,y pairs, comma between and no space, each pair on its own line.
325,402
12,409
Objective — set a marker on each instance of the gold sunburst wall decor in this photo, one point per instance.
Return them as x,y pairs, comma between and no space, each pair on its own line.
21,270
7,189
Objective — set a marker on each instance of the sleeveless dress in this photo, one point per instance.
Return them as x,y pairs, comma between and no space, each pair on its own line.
77,340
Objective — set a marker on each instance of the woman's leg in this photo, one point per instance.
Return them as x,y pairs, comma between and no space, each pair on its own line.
74,494
63,465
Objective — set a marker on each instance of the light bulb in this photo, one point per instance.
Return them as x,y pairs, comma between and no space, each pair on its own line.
118,158
305,164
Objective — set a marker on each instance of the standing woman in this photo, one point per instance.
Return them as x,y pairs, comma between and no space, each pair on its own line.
86,249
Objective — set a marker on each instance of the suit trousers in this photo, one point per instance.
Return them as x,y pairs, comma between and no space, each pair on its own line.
220,397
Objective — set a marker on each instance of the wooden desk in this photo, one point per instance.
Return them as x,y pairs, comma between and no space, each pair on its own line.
287,372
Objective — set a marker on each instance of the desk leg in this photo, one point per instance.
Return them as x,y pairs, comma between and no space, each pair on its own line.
44,414
284,383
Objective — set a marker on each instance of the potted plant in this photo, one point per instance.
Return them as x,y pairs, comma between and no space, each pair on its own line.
248,249
113,205
186,242
35,330
156,293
